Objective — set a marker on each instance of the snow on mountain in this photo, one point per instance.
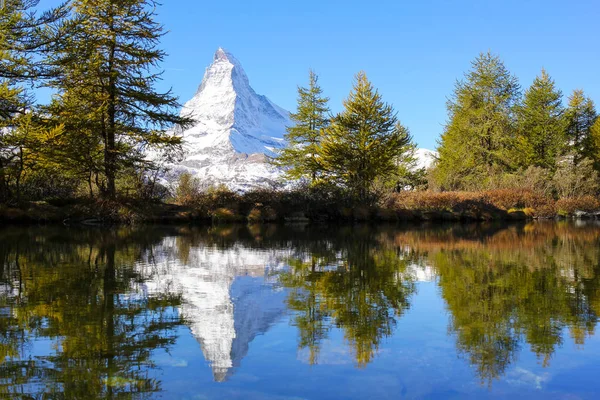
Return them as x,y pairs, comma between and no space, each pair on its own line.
425,158
235,130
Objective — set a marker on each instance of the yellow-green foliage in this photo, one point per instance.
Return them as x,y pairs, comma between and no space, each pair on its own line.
225,215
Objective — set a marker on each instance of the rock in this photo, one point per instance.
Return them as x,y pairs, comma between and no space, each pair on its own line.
517,215
583,215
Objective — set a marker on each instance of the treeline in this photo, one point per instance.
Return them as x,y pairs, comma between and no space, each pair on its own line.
100,60
364,149
509,149
498,137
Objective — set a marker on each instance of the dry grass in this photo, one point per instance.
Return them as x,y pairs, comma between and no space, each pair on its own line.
569,206
533,204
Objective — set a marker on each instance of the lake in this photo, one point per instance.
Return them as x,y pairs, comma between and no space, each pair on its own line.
301,312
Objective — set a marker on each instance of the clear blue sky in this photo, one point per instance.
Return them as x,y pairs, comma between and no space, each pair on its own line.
412,50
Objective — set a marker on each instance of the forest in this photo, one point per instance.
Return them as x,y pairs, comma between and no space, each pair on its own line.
504,152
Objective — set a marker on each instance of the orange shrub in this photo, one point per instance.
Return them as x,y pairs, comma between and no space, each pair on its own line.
429,201
519,199
569,205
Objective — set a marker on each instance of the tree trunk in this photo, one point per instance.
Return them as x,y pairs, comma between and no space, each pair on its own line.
110,149
3,185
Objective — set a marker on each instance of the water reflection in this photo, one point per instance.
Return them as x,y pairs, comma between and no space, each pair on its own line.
351,281
512,286
229,296
83,312
77,291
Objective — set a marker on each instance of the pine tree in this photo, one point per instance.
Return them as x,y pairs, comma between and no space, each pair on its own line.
593,144
580,117
365,144
300,157
479,139
107,60
22,35
541,137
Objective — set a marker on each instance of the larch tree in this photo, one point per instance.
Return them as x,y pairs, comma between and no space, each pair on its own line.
107,62
580,117
593,144
300,157
479,138
23,34
365,143
541,129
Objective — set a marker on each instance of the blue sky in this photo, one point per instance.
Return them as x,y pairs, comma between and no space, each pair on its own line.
413,51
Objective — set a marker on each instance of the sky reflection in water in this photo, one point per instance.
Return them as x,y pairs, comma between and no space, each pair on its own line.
273,312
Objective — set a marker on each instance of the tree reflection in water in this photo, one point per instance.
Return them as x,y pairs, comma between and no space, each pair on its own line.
503,286
506,289
77,289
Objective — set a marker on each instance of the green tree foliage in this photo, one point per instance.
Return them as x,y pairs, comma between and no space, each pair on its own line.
365,144
580,116
301,156
594,144
22,34
541,133
479,139
105,64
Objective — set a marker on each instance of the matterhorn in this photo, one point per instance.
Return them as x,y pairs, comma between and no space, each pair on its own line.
234,132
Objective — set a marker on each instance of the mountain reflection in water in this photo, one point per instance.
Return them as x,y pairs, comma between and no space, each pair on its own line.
84,312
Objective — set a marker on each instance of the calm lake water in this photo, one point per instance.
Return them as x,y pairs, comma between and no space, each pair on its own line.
298,312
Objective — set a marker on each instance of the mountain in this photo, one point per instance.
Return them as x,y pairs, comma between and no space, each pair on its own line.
235,130
425,158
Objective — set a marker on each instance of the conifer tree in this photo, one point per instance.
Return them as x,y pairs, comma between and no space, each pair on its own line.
593,144
479,139
300,157
108,60
541,138
22,35
365,143
580,117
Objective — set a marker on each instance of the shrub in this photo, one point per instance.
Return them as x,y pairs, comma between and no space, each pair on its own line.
188,190
519,199
264,214
225,215
568,206
576,180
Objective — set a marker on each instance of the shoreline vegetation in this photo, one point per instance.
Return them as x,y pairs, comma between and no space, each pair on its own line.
504,153
305,206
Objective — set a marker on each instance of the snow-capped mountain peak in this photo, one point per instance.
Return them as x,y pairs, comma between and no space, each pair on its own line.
235,128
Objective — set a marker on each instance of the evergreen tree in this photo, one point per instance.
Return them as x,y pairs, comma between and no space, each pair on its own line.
300,157
106,62
479,139
541,124
580,116
593,144
22,35
365,144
